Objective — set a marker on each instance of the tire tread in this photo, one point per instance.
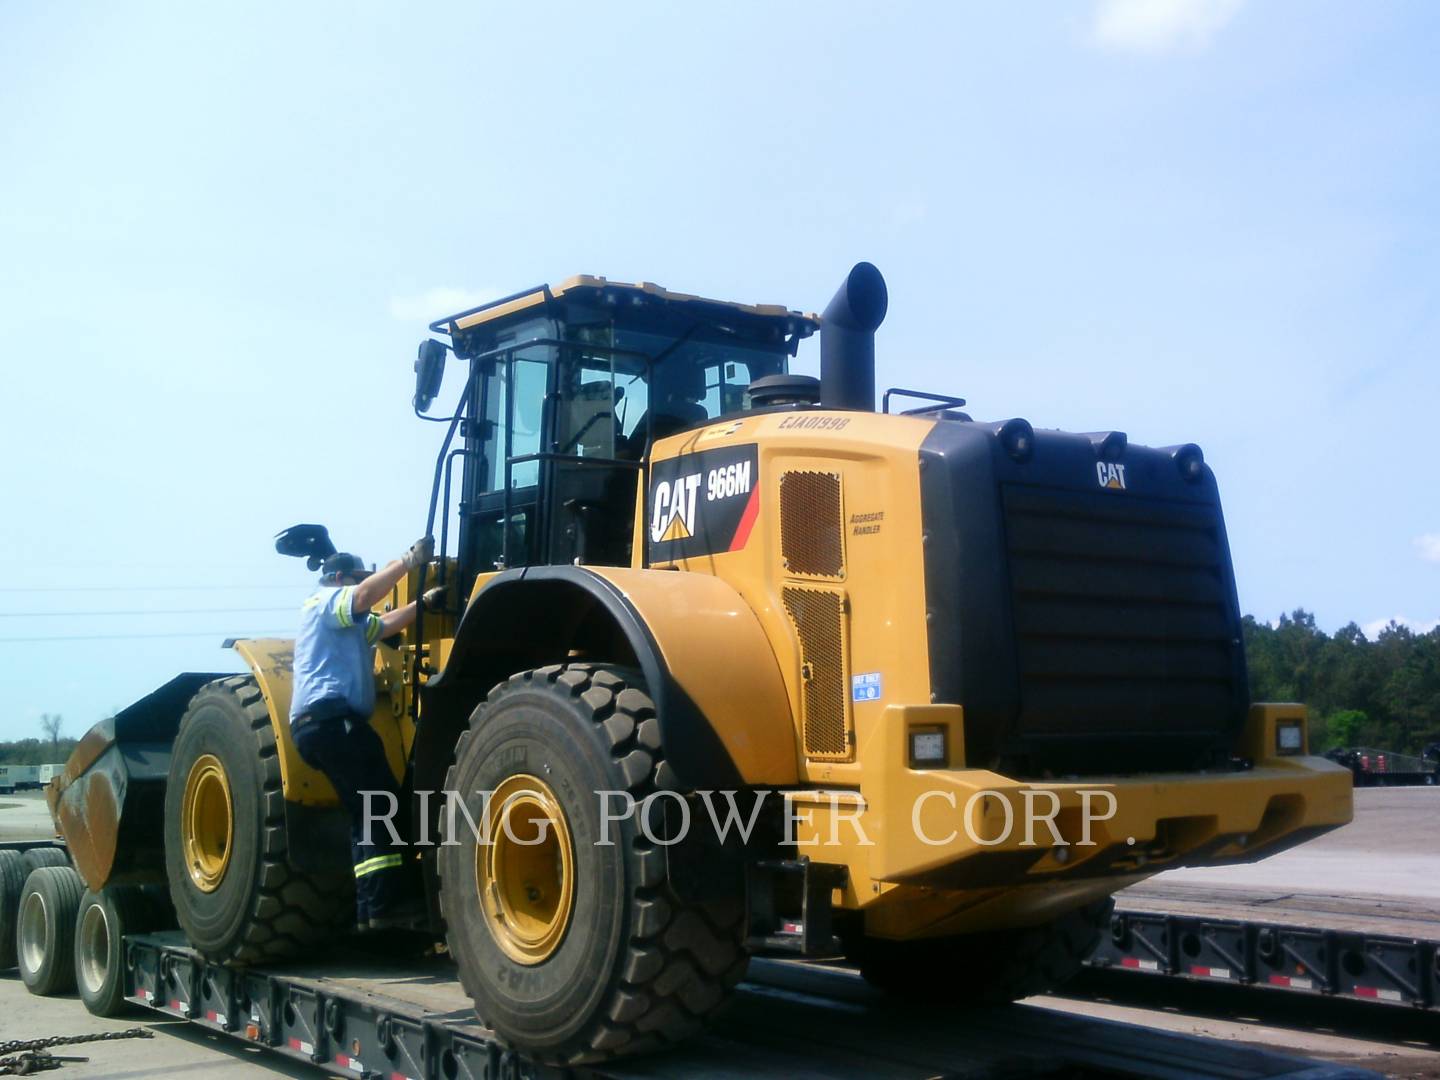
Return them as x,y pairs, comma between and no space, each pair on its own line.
291,911
62,890
680,960
12,884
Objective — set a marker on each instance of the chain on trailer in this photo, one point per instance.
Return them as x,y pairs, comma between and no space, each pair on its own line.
25,1057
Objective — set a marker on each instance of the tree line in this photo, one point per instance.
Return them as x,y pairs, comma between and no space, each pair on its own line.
50,750
1383,693
36,751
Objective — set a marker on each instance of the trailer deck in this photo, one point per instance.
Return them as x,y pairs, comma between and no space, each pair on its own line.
1381,949
410,1019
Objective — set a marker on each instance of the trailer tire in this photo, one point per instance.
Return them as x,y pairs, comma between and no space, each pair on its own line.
37,857
45,929
990,968
622,966
236,895
101,924
12,884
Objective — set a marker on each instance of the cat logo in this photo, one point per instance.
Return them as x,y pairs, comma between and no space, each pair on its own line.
703,503
674,517
1110,475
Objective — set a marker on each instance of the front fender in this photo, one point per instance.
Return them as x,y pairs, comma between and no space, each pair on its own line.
724,714
272,661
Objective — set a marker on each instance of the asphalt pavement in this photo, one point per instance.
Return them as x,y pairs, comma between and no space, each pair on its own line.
1390,849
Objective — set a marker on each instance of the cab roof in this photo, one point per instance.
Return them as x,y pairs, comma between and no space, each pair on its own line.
601,291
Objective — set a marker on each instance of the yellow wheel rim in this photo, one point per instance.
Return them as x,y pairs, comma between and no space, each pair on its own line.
525,876
207,822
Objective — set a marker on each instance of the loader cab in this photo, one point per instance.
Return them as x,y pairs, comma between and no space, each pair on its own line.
569,389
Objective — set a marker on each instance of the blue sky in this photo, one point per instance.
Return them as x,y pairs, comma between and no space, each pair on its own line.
224,228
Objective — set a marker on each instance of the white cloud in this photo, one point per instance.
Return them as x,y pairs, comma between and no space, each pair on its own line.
1419,626
1429,546
1159,26
437,303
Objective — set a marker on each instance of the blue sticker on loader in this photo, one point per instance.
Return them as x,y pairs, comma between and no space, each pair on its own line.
865,687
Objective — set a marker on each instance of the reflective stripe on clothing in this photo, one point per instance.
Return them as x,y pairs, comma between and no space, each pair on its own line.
379,862
347,750
334,654
344,601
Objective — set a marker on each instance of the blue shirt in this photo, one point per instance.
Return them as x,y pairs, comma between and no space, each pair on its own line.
334,653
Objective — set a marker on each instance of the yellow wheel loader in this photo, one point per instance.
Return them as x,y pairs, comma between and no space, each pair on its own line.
736,664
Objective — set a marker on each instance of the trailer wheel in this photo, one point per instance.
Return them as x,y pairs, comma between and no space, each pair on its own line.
100,928
45,929
235,894
567,936
989,968
12,884
37,857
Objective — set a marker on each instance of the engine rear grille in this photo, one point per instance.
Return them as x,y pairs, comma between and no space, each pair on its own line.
811,526
1123,613
819,618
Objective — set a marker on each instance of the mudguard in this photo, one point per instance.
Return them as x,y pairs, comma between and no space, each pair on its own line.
109,801
725,719
272,661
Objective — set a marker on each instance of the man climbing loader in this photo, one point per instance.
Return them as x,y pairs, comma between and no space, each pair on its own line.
959,682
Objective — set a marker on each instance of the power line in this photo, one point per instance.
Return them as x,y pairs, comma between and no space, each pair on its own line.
139,611
148,588
221,634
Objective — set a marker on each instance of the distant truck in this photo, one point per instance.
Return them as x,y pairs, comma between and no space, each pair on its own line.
1387,768
27,777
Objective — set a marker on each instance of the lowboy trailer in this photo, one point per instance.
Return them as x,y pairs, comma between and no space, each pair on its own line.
411,1020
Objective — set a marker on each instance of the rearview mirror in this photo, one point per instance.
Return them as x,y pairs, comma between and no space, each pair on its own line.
429,371
310,542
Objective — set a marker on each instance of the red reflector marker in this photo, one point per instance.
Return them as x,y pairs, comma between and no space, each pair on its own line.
1136,964
1295,983
1378,993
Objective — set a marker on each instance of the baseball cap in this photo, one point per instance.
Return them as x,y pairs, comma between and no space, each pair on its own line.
342,563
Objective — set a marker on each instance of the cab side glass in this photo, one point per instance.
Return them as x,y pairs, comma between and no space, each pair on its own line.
530,378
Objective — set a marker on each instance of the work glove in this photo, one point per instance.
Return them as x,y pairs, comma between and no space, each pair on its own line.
434,599
420,553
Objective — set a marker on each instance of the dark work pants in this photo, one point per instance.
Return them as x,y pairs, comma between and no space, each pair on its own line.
352,757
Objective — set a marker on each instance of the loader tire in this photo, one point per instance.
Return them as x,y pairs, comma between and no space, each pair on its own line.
571,950
990,968
101,924
45,930
37,857
12,884
236,896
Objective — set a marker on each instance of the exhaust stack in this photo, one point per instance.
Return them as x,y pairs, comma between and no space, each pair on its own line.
847,340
